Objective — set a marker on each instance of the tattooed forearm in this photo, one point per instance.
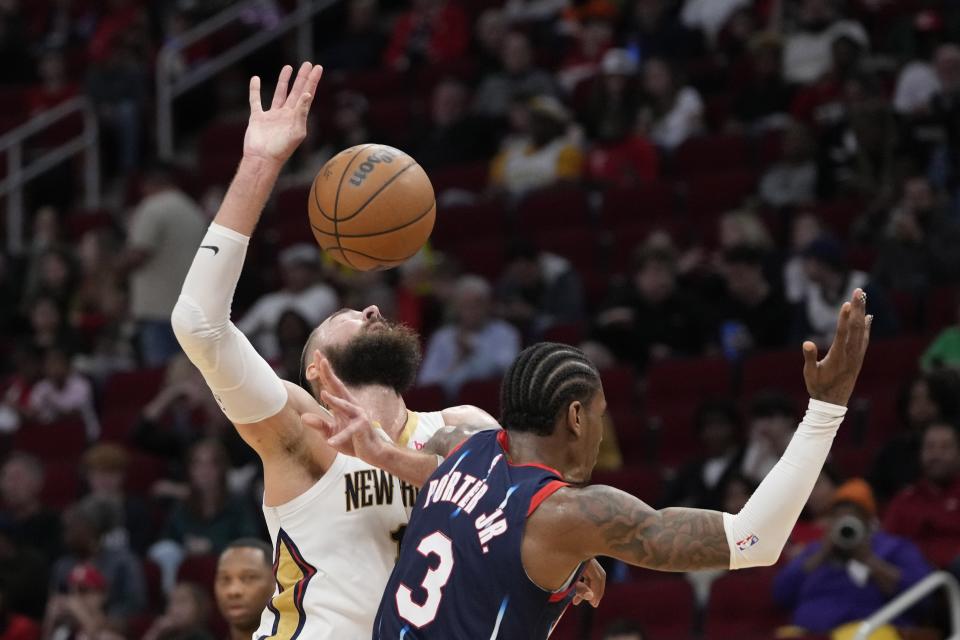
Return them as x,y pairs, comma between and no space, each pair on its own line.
447,439
667,540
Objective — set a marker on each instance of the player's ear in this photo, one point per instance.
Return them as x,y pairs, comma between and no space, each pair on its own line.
575,418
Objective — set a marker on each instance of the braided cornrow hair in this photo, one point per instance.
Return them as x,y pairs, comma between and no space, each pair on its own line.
543,381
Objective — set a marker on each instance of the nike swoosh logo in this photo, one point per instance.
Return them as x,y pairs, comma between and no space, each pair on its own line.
212,247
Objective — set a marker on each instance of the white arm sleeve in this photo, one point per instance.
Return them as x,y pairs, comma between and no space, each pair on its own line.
759,532
246,387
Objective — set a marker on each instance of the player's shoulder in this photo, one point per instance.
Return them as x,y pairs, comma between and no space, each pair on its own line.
467,415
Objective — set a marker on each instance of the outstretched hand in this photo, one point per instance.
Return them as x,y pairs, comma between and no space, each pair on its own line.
274,134
348,427
833,378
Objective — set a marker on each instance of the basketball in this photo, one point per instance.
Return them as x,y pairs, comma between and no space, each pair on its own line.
372,207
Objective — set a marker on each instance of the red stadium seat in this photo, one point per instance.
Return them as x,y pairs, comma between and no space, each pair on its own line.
62,440
892,359
222,138
429,398
638,205
200,570
770,147
741,606
371,83
153,577
467,177
482,393
132,388
555,208
780,370
707,154
467,223
619,386
61,483
578,245
664,607
643,482
633,436
672,435
719,191
144,469
941,309
571,333
688,379
482,258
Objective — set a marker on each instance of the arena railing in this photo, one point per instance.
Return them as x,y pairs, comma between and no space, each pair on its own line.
170,84
910,597
21,171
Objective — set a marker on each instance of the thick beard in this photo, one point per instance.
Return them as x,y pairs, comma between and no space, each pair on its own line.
385,356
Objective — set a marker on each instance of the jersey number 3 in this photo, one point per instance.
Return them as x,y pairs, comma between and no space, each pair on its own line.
420,615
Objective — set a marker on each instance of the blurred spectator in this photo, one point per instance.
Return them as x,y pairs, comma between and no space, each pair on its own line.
671,112
164,231
624,630
118,571
517,78
205,516
709,16
815,518
117,85
302,291
66,23
292,333
650,316
63,393
743,228
925,399
18,65
55,87
928,511
78,609
805,228
360,42
16,389
594,36
490,33
944,351
700,483
53,274
30,523
832,283
764,98
935,132
918,246
538,289
611,111
47,324
653,30
534,11
807,49
453,137
853,571
188,609
792,181
349,126
753,313
544,157
104,467
735,492
182,412
431,31
472,347
822,103
773,421
917,84
244,585
14,625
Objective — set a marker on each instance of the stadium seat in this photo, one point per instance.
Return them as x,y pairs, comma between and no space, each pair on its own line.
672,434
627,237
741,606
578,245
638,205
153,577
144,470
664,607
482,393
619,386
571,333
633,436
554,209
712,193
468,223
704,154
689,379
132,388
891,359
643,482
466,177
62,440
429,398
370,83
780,370
61,483
941,309
200,570
485,259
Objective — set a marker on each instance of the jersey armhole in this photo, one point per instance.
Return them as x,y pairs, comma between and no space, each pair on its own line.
545,492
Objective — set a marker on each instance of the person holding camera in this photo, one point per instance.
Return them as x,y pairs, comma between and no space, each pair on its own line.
853,571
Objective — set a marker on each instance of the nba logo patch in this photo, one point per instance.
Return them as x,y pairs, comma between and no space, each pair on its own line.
747,542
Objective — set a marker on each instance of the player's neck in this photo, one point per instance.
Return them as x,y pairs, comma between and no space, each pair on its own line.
385,406
527,448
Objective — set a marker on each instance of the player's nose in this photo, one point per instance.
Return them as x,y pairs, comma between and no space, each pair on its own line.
372,314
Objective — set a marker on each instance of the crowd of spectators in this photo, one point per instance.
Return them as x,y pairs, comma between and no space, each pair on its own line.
741,167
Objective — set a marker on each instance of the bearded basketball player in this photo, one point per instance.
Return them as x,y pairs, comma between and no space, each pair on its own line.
335,521
505,524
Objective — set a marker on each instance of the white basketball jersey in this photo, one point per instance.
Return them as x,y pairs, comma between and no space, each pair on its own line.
335,546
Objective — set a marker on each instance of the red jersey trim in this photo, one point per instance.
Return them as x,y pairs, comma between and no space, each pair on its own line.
548,490
504,441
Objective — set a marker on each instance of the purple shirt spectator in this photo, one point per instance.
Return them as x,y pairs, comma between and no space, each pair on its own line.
828,596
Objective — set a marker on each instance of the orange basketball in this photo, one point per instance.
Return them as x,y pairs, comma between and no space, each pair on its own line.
372,207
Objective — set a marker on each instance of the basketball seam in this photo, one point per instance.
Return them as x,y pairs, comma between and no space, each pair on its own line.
379,233
336,202
377,192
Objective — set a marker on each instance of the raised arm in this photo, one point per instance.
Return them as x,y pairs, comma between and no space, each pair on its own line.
602,520
264,408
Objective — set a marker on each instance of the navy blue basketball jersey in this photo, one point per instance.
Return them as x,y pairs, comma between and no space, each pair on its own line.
460,574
